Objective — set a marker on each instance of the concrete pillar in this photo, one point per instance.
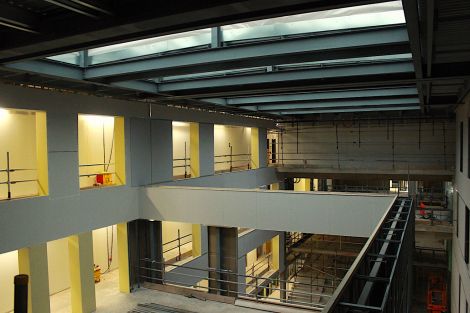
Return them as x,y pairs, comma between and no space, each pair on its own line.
82,285
141,154
282,265
202,149
242,271
62,143
259,152
32,261
162,150
123,258
223,243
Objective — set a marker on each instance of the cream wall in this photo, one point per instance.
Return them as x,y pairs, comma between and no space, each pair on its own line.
92,130
238,137
170,232
100,255
18,136
461,199
180,135
8,269
58,265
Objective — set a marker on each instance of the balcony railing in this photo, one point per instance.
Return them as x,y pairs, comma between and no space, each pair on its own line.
10,180
172,250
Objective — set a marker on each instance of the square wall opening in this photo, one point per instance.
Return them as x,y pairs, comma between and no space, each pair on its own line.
181,150
101,151
232,148
23,154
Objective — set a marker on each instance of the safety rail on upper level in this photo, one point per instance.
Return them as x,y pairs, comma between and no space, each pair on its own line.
380,278
10,180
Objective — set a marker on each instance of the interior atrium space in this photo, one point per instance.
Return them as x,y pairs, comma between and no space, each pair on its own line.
235,156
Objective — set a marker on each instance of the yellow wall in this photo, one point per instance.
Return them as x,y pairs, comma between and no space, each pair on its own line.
239,138
41,153
9,268
302,185
19,130
170,232
91,131
181,134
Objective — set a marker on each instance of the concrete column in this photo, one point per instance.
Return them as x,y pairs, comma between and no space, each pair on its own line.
123,258
223,243
141,153
62,143
162,150
202,149
242,271
82,283
282,265
32,261
259,157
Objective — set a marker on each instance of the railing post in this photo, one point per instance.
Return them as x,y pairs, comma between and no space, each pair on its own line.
256,291
185,164
8,176
231,158
179,245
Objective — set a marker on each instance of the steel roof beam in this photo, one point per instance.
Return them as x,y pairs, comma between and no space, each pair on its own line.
143,21
322,73
22,20
332,104
348,110
326,95
410,8
78,7
341,45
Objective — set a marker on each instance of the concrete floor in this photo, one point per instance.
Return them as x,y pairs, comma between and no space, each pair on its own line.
110,300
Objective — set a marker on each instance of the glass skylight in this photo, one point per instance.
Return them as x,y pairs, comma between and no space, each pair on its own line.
381,14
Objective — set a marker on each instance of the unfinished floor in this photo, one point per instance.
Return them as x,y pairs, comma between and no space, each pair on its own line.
110,300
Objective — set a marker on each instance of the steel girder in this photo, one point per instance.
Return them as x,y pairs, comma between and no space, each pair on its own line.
347,109
327,95
333,104
331,46
349,71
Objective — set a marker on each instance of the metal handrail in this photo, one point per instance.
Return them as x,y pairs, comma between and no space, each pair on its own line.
8,170
179,245
236,282
185,159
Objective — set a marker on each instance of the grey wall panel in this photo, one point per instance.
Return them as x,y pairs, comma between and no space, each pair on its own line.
32,221
263,149
63,174
62,131
206,149
140,151
311,212
162,150
253,239
180,275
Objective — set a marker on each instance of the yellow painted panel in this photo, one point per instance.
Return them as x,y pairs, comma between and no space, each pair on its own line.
302,185
123,258
275,249
194,150
82,285
275,186
41,153
120,149
32,261
196,240
254,148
